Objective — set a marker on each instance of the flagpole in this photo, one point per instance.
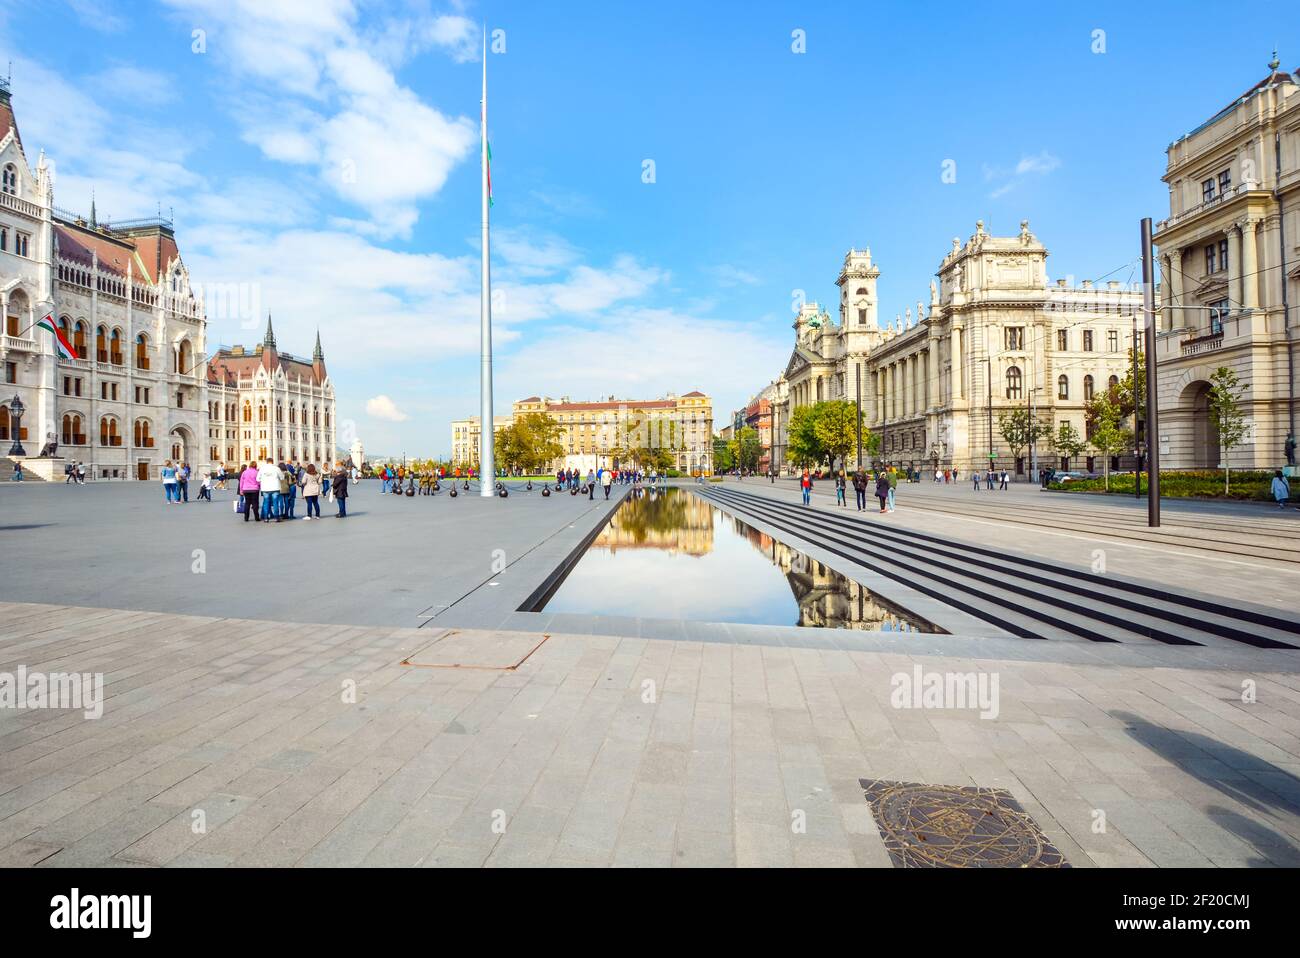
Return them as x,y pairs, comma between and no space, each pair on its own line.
487,439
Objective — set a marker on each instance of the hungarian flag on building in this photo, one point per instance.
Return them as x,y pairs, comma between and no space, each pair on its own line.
60,341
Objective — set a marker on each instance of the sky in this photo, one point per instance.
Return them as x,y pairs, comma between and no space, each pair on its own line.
670,178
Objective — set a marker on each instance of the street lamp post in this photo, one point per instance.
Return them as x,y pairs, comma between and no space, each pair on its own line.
1153,412
16,410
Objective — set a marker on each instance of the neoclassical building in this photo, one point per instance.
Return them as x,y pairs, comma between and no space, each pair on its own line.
1229,256
263,403
592,432
142,386
997,334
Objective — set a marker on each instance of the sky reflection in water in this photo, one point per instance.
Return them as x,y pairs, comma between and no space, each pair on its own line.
677,556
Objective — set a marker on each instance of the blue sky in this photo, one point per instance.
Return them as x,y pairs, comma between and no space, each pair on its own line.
322,155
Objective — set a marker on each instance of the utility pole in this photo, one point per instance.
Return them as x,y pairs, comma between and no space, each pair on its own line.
1153,419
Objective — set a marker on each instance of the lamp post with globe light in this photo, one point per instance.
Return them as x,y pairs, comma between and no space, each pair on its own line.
16,410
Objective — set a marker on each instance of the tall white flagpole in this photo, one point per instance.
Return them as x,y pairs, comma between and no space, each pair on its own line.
487,438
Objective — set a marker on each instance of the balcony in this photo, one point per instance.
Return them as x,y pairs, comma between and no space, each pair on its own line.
20,342
1195,345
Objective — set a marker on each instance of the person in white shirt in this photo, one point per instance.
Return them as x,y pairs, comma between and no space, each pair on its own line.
268,481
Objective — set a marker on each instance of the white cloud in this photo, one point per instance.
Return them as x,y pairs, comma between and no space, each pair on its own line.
1029,165
381,407
329,98
1043,162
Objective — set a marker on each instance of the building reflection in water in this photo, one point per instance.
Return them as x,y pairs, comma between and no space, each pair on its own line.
682,557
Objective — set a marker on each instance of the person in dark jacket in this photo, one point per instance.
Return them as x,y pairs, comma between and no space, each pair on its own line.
860,487
339,485
882,490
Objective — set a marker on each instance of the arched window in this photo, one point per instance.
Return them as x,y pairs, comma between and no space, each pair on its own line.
185,358
115,347
72,430
327,418
142,352
4,422
101,345
261,412
1013,382
1063,387
10,184
108,432
248,411
79,335
279,411
1087,388
141,434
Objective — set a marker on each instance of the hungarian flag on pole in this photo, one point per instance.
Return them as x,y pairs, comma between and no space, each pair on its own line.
491,201
61,343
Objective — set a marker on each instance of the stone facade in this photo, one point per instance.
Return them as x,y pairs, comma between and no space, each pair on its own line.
142,387
134,394
592,432
263,403
1229,257
996,335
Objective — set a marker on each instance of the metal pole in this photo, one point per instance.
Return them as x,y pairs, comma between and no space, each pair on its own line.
1137,405
857,368
1153,418
487,437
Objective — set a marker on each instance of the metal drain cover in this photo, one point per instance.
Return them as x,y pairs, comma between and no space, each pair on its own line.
957,826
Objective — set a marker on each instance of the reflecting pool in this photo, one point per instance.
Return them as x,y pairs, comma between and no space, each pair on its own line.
674,555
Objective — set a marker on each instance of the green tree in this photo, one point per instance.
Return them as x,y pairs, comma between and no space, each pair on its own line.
1067,441
803,448
835,425
1109,435
722,459
530,442
1226,392
745,449
1019,429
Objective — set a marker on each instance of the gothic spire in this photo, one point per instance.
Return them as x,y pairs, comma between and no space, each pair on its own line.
318,354
269,339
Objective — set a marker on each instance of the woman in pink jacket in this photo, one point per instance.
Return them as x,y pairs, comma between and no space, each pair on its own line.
250,490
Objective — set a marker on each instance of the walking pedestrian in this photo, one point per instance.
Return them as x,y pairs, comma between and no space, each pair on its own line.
1003,486
892,478
975,479
607,480
205,488
860,488
1281,489
806,484
81,473
841,489
340,489
882,491
183,481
